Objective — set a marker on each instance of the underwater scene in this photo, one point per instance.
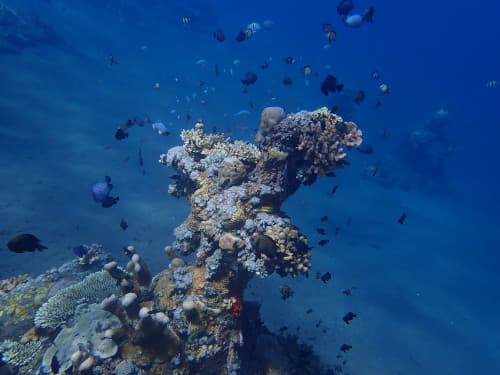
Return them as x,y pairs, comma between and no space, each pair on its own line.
249,188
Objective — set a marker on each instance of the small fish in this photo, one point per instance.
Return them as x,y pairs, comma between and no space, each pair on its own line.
375,74
160,128
323,218
121,134
112,61
80,251
354,20
384,88
368,15
359,97
345,348
337,231
331,36
326,277
347,292
345,7
25,242
249,79
334,189
308,311
139,157
283,329
219,35
123,224
373,169
330,84
402,218
264,65
321,231
185,20
349,317
289,60
54,365
491,84
318,323
323,242
378,104
109,201
384,134
307,70
216,69
254,26
327,27
287,81
241,36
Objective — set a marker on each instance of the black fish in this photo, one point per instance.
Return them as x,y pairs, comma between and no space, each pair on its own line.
264,65
241,36
216,69
219,35
368,14
330,84
334,109
326,277
287,81
378,104
121,134
337,231
402,218
321,231
139,157
283,329
334,189
80,251
318,323
347,292
365,148
109,201
384,134
54,365
345,7
359,97
249,78
323,218
323,242
348,317
308,311
112,60
345,348
25,242
289,60
123,224
374,171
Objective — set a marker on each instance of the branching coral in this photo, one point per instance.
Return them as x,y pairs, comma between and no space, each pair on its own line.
61,307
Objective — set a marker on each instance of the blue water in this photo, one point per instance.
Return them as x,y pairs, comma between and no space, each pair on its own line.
426,292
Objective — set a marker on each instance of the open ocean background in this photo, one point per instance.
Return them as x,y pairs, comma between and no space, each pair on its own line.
426,292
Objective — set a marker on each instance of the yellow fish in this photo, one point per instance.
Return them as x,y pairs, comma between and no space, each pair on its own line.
491,84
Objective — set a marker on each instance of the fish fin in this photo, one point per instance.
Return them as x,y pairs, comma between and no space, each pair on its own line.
40,247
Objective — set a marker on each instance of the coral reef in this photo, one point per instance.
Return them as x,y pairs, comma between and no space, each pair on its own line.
190,318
